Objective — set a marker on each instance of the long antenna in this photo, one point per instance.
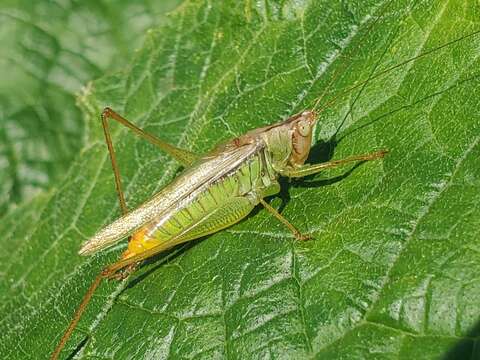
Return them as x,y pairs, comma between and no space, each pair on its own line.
341,70
383,72
359,93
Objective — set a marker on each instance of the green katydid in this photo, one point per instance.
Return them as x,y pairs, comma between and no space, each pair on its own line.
216,190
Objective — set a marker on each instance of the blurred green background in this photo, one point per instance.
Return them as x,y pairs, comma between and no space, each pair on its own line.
50,50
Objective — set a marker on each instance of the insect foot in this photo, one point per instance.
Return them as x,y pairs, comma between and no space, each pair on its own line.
303,237
380,154
121,274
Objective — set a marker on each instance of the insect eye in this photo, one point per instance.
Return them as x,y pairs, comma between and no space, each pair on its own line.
303,128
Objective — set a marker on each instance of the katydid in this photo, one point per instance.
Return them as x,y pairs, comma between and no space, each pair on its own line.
215,191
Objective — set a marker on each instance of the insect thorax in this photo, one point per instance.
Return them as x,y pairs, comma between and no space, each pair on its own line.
278,143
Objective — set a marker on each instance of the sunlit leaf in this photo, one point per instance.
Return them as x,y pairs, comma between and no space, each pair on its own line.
393,269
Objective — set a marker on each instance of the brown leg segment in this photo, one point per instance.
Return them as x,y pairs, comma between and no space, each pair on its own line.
106,114
76,317
113,159
284,221
183,156
104,274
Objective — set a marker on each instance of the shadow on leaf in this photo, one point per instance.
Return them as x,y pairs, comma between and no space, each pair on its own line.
466,348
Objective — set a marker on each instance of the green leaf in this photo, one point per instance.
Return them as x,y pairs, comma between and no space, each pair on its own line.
393,269
49,51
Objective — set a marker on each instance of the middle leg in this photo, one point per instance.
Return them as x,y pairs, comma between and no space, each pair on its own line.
298,235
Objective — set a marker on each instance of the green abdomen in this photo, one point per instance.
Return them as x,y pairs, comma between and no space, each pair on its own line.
218,204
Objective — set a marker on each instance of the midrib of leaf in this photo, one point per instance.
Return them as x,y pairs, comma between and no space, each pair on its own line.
192,140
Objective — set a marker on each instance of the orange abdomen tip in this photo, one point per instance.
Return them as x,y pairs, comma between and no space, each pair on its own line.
136,244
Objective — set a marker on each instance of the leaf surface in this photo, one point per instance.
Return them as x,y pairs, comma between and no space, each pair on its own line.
393,269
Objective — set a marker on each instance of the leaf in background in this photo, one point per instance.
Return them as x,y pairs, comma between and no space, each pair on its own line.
393,270
49,51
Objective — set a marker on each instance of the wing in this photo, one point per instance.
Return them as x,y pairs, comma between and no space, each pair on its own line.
175,195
